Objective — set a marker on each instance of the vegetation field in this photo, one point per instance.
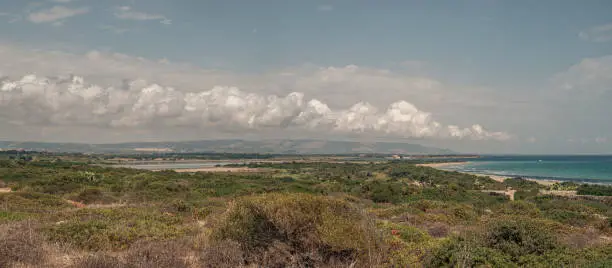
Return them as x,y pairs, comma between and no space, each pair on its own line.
76,213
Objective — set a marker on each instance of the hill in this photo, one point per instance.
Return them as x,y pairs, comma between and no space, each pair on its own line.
235,146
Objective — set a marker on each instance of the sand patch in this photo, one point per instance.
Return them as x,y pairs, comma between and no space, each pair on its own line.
221,169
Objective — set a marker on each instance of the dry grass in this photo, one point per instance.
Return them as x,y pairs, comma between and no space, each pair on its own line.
224,254
99,260
21,244
158,254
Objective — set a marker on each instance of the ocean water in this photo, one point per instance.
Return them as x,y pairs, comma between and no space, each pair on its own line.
579,168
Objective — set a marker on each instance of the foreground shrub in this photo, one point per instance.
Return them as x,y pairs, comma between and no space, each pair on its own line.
315,229
517,237
116,228
465,252
504,242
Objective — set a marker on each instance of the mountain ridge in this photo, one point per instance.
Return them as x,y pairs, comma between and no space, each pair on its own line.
282,146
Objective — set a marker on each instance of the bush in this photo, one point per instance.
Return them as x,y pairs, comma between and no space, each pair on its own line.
517,237
307,224
568,217
116,228
520,208
519,183
594,189
92,195
462,252
30,202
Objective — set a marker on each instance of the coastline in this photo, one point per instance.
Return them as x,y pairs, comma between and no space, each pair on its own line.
440,166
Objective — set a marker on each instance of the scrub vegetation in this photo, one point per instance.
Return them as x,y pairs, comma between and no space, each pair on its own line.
73,212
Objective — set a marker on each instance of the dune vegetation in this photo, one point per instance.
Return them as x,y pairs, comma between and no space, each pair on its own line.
76,213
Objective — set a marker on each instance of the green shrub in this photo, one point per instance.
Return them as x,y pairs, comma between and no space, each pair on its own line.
568,217
31,202
520,208
116,228
517,237
93,195
594,189
302,221
462,252
519,183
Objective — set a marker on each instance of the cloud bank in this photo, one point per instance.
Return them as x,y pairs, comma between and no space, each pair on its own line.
56,13
70,101
127,13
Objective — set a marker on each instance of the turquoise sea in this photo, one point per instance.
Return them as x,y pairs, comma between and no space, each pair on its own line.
580,168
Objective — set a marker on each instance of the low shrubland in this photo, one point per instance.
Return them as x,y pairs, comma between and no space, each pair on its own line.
388,214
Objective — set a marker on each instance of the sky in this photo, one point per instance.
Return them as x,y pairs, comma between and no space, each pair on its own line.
482,76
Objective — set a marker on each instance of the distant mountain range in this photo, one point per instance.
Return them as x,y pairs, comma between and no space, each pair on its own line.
234,146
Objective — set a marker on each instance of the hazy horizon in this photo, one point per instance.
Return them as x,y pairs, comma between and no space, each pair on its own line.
475,76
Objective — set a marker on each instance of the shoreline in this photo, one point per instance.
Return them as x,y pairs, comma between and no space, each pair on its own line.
499,178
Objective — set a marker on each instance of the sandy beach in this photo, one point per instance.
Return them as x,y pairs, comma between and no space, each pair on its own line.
219,169
494,177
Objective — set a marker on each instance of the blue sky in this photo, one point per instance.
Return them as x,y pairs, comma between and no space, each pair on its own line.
484,54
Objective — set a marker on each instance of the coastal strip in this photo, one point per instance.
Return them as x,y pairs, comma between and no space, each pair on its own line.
440,166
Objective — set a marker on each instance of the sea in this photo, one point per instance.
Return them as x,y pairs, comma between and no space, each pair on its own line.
577,168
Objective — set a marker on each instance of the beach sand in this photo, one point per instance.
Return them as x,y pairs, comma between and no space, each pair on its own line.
221,169
494,177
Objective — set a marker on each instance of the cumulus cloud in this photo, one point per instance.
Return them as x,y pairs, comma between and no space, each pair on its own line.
55,14
353,100
70,101
601,33
127,13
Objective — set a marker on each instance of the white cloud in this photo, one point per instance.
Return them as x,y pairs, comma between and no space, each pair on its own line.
296,99
593,75
71,101
62,1
56,13
127,13
325,8
601,140
601,33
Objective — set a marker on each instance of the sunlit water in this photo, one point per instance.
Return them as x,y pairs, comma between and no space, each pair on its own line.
594,169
